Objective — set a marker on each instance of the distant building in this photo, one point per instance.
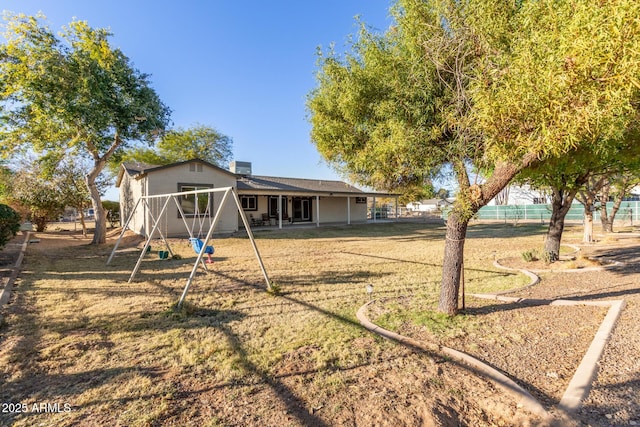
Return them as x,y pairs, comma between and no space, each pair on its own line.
520,195
429,205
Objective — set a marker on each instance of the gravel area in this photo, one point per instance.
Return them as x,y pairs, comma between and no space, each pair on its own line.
539,346
615,396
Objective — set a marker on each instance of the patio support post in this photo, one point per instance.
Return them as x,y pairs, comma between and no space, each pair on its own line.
280,211
374,209
397,208
317,211
348,210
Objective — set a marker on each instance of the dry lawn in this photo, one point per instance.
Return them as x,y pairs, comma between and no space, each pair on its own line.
100,351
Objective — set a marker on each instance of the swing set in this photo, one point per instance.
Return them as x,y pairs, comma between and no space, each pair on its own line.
200,245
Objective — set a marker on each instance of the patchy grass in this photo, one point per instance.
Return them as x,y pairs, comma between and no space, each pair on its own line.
120,353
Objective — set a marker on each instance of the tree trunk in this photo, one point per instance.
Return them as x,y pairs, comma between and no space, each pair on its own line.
470,199
100,233
99,162
588,221
554,233
560,203
614,211
452,264
83,224
604,215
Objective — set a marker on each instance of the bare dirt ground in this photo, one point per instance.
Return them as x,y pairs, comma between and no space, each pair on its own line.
387,384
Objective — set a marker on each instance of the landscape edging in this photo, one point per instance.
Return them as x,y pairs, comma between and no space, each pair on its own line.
6,291
582,380
522,396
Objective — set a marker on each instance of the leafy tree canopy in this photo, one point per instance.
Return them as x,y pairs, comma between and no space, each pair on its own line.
73,91
198,142
501,85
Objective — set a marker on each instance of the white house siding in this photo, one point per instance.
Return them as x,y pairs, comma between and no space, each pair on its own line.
334,209
169,180
130,191
521,195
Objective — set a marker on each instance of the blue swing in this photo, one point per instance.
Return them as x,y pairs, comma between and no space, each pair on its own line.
197,246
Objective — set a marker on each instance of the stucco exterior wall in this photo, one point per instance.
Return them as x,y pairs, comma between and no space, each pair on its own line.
171,180
130,191
334,209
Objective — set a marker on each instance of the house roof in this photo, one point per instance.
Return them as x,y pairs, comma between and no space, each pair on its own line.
139,169
269,184
261,185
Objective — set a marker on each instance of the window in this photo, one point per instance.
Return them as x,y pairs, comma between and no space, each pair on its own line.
199,204
249,203
195,167
273,207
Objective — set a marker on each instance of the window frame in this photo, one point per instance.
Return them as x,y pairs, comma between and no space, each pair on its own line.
185,186
248,199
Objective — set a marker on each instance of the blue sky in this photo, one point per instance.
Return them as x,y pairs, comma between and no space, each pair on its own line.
242,67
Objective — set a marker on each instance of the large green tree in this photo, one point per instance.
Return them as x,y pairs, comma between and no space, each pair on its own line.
73,92
498,85
562,177
617,188
177,145
69,177
581,176
42,198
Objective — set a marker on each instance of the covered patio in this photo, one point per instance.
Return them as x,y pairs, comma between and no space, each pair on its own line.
281,202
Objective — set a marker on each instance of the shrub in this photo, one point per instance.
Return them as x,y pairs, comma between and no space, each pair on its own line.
112,210
9,224
529,256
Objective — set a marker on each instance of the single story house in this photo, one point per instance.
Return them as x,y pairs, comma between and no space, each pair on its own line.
265,200
429,205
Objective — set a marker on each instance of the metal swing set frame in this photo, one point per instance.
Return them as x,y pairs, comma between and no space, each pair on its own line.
145,201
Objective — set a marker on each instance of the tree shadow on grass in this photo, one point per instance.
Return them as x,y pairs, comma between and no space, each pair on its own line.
60,390
400,260
219,319
504,231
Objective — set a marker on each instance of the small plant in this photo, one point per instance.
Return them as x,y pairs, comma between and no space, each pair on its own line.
530,256
547,257
180,313
275,289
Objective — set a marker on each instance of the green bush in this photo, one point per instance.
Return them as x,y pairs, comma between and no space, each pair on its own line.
112,210
9,224
530,256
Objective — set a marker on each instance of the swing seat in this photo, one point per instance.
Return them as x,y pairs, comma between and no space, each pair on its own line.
197,246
